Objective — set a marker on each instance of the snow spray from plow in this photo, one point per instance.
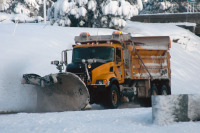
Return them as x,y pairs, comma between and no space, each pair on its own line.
58,92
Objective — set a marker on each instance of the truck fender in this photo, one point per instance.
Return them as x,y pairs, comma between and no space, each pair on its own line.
114,81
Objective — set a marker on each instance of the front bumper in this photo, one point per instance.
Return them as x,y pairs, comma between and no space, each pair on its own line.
97,87
98,93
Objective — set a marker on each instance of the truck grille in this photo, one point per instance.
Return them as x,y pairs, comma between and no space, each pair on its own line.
83,76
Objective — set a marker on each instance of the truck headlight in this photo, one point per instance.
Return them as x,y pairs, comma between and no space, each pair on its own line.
102,82
89,66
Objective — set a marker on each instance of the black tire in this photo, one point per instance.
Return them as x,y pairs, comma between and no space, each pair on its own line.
145,102
130,98
164,90
154,90
169,90
113,97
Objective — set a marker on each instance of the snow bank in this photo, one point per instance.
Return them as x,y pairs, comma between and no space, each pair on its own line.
20,18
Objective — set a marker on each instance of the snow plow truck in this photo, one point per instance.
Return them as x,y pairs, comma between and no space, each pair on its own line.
105,68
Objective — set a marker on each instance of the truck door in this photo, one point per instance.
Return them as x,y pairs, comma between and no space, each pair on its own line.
119,67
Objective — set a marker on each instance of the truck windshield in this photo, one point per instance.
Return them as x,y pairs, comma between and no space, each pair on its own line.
102,53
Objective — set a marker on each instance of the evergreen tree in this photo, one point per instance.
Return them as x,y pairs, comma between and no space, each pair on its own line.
27,7
92,13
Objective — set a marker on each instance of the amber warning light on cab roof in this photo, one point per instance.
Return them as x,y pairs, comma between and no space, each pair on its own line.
84,34
117,32
88,34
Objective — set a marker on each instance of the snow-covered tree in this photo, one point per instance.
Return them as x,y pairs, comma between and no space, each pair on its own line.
72,12
95,13
92,13
167,6
115,13
26,7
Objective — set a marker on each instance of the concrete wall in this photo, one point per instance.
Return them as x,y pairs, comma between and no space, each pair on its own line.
1,5
166,18
175,108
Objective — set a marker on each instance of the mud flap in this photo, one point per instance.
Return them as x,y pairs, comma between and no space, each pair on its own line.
59,92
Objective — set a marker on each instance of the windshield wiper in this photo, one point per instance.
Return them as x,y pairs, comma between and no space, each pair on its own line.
99,60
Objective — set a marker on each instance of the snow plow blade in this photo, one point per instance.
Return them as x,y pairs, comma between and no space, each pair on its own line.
58,92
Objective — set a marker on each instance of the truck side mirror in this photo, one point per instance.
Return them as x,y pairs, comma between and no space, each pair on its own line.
65,57
56,62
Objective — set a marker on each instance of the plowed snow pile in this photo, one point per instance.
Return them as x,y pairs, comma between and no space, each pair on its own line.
29,48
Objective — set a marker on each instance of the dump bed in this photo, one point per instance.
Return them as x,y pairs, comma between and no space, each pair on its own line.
151,58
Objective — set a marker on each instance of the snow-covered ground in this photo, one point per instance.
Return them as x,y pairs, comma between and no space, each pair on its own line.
136,120
29,48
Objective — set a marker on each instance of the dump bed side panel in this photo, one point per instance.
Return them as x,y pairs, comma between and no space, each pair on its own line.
150,56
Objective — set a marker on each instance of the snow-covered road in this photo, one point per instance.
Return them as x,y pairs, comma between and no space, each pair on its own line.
138,120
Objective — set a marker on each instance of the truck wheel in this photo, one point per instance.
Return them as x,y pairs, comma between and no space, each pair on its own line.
113,97
164,90
154,90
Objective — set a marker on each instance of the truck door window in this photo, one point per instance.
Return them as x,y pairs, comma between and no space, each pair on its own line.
118,55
